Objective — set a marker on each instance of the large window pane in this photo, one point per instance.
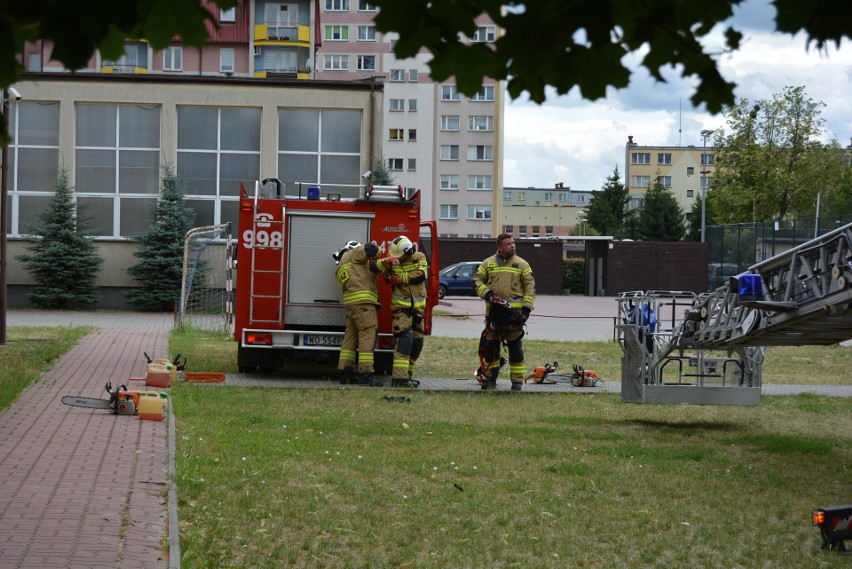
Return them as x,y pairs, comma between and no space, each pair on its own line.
96,215
238,168
341,131
96,125
39,124
96,171
140,126
297,130
196,173
240,129
198,128
204,211
297,168
136,214
340,169
29,209
139,172
230,213
37,169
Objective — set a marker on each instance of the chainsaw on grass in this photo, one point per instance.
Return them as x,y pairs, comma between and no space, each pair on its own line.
580,378
120,402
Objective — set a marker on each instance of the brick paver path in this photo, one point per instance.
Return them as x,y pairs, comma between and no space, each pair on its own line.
82,487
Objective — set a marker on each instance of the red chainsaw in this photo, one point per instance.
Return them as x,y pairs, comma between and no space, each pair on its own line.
120,402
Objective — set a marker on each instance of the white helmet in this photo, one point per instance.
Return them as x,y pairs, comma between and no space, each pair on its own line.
349,246
400,246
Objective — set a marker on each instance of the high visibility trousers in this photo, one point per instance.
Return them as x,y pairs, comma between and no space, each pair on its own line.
362,326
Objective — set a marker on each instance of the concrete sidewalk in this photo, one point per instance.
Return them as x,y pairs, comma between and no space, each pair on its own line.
84,488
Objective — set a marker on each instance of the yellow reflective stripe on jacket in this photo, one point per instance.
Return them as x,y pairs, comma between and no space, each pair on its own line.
359,296
418,303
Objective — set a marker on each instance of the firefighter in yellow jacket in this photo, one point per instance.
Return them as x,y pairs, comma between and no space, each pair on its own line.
357,267
408,300
505,281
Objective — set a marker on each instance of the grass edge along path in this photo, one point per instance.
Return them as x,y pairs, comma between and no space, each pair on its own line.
29,352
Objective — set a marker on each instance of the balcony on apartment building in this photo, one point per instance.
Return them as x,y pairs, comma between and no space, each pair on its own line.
282,49
134,59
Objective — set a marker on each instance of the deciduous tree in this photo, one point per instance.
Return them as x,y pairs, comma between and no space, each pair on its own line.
771,163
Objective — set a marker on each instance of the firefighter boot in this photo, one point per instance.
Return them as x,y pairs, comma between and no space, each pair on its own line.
347,375
517,385
406,382
491,383
369,379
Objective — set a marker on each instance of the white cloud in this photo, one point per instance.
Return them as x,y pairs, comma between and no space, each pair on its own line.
578,143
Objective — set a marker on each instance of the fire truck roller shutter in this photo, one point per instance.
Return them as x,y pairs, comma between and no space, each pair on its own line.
312,237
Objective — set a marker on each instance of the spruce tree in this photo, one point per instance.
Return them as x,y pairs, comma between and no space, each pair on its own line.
660,216
608,207
64,261
160,268
381,174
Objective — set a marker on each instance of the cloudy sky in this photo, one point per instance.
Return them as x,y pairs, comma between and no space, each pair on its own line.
577,142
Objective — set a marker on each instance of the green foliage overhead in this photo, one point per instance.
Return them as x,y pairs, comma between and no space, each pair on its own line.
583,43
160,268
660,216
771,163
63,260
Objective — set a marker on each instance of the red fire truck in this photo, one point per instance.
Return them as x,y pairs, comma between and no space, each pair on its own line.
288,305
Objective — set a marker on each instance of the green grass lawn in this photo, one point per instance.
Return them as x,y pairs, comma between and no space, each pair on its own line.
29,352
343,478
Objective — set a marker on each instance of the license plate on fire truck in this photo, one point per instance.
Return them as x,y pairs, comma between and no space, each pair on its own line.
316,340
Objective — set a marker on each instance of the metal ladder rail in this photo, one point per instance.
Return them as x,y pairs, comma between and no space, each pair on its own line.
253,270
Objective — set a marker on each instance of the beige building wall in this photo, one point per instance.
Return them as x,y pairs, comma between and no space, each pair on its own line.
169,94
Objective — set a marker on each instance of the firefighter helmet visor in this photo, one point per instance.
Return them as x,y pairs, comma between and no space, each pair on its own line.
349,246
400,246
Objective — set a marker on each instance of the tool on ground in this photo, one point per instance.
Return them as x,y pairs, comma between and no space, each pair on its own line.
480,377
177,363
580,378
120,402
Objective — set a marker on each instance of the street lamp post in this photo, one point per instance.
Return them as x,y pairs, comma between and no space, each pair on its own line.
581,217
704,134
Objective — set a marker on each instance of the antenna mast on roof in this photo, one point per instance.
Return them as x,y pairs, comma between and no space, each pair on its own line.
680,120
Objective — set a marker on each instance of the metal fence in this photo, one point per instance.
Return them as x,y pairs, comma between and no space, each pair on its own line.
734,247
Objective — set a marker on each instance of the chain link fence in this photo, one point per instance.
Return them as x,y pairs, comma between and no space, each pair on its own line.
734,247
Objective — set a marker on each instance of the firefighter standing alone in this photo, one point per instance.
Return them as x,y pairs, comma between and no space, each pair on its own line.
505,281
357,267
408,301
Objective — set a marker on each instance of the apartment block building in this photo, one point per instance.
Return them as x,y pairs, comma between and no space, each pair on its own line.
685,170
543,212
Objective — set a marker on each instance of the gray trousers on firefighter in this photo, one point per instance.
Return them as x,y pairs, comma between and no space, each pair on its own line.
408,336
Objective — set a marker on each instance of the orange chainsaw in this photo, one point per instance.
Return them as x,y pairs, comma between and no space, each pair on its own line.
120,402
580,378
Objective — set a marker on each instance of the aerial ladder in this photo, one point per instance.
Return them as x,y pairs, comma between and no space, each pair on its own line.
712,352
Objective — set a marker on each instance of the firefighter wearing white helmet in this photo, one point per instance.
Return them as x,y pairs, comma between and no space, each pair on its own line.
408,300
357,268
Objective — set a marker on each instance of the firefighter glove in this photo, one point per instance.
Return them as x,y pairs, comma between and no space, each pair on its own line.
525,313
392,279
